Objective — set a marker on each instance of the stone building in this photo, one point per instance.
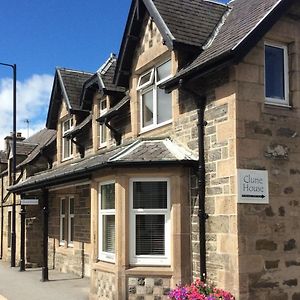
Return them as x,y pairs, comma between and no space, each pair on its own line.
144,191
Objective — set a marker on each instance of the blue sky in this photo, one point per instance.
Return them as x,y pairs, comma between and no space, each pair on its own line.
40,35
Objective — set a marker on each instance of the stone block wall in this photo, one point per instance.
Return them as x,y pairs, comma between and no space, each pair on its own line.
65,258
220,157
268,139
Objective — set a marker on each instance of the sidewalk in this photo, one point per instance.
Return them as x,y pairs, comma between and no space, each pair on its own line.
15,285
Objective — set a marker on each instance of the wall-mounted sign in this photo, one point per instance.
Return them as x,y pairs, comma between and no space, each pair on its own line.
253,186
29,201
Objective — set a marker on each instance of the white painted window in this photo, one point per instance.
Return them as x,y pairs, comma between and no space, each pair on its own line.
67,145
71,225
150,221
155,103
107,221
103,128
9,227
276,74
62,223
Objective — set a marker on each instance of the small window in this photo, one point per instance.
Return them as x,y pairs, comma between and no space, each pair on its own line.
71,225
150,217
156,104
62,229
102,127
146,79
276,74
67,145
107,221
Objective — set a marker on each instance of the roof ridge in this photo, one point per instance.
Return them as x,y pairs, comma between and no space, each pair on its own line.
105,67
217,2
74,71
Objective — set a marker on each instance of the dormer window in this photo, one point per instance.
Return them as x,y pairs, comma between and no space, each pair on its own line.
67,145
103,129
155,103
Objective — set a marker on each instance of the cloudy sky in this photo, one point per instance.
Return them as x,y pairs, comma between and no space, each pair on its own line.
40,35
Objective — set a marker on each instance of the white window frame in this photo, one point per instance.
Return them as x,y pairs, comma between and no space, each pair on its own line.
70,217
62,219
65,139
102,255
152,84
102,126
275,101
158,260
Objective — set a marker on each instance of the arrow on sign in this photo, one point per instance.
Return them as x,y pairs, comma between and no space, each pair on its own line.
254,196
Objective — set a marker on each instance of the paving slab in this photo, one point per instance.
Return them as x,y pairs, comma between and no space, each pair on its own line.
16,285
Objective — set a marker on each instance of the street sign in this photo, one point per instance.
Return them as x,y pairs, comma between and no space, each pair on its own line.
253,186
29,201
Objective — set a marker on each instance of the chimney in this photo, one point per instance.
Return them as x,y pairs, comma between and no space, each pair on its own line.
8,140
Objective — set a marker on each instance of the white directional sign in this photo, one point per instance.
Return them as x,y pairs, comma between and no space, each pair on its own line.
29,201
253,186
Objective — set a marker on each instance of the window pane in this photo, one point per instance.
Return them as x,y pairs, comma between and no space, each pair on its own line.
164,70
71,206
67,147
146,78
103,105
147,108
102,134
63,228
274,72
71,229
108,234
164,106
150,235
150,195
62,209
108,196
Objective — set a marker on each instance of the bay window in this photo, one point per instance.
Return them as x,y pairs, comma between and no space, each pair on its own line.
155,103
150,221
276,74
107,221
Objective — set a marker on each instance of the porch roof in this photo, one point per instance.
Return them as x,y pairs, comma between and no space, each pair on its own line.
151,152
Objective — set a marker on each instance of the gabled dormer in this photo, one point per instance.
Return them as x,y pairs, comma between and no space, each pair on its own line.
64,110
160,37
105,100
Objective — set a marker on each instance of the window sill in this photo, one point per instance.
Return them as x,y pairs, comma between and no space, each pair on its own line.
155,271
104,266
67,158
154,127
278,105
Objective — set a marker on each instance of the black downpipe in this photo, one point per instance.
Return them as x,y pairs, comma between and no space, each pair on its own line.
200,101
202,215
2,201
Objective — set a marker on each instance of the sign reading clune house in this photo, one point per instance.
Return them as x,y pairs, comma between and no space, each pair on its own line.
253,186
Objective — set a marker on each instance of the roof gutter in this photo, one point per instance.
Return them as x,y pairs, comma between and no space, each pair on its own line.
86,173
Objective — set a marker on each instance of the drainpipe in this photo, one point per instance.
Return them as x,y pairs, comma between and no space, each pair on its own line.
1,237
202,215
200,101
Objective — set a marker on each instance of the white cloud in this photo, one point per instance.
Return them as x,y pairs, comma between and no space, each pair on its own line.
33,96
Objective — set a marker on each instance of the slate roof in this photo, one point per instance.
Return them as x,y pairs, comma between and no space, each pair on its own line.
23,148
246,20
114,110
72,83
40,140
139,152
79,127
191,22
